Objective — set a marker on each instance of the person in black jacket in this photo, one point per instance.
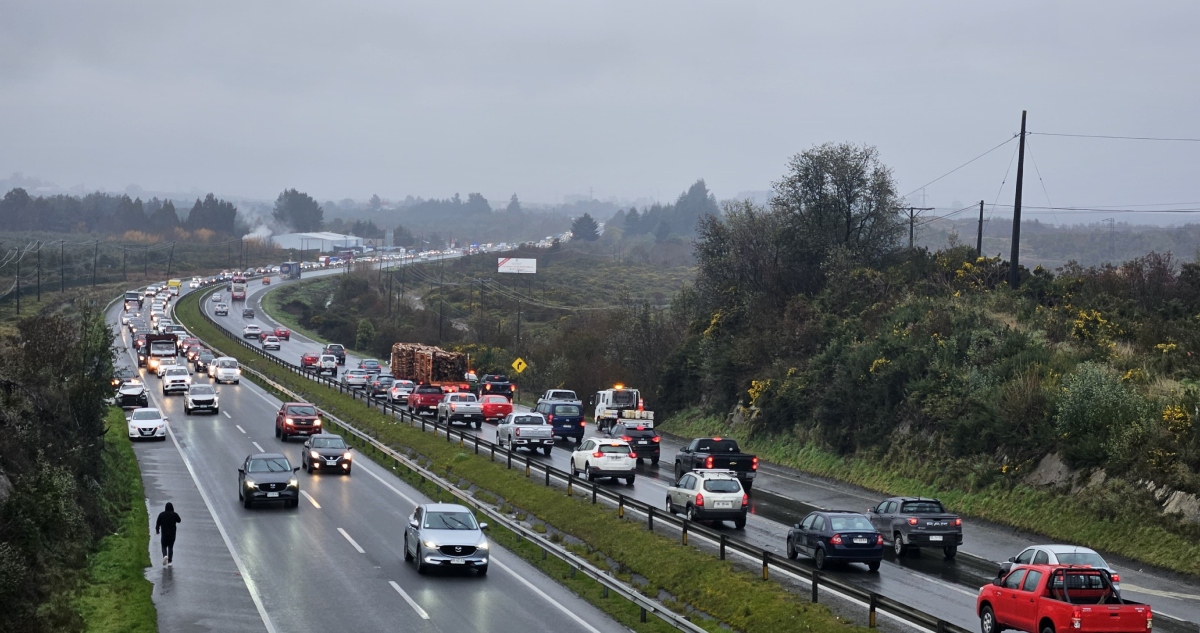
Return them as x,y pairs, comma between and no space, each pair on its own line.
167,520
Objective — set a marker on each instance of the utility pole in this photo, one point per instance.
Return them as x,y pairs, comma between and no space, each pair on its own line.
95,256
62,279
170,260
124,270
441,311
979,236
1112,238
518,324
146,263
39,272
1014,273
19,280
912,216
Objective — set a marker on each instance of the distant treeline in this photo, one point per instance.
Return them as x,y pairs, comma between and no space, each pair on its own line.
115,214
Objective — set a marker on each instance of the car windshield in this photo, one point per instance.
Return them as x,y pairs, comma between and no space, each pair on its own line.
306,409
201,390
850,523
177,372
146,415
228,364
205,356
922,507
614,448
528,419
1081,558
370,363
328,442
269,465
722,485
568,410
451,520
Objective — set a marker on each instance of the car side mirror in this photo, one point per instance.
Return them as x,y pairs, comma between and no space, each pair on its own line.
1012,559
796,527
870,510
307,444
295,469
483,526
241,471
412,523
997,582
1004,569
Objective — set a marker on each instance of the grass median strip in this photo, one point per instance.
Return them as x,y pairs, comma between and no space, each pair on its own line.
737,598
116,595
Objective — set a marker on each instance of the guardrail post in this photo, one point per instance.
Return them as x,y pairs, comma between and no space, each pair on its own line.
685,528
643,616
723,539
941,626
620,506
570,484
605,591
650,519
526,467
543,553
509,452
816,579
871,610
593,493
766,563
493,452
547,476
476,444
422,424
447,431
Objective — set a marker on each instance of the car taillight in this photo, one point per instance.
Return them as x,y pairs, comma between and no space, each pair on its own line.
487,387
550,418
656,439
519,435
1116,577
912,520
745,499
1076,619
1149,619
582,423
597,454
627,438
754,463
879,539
455,408
699,499
836,539
708,462
958,523
632,455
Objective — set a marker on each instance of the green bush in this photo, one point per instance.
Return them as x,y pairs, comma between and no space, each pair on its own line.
1099,417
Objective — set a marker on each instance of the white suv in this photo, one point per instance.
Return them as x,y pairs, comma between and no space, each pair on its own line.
176,379
600,457
710,495
251,331
225,369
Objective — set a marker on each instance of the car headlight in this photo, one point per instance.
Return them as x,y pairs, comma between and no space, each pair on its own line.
317,422
239,370
431,544
293,482
288,421
250,483
314,455
346,455
482,544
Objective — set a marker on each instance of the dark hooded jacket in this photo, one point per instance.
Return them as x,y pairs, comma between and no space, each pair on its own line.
167,520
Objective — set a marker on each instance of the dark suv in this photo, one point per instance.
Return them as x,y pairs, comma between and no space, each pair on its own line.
336,350
567,419
833,536
642,439
379,385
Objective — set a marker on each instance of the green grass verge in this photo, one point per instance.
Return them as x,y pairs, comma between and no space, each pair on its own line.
308,291
1055,515
116,594
740,599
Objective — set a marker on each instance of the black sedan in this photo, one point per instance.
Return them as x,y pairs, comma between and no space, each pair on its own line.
379,385
123,375
326,453
832,536
132,395
200,364
248,313
268,477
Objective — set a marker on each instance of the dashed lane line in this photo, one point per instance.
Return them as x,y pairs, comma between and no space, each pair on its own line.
239,427
412,603
313,501
352,541
260,449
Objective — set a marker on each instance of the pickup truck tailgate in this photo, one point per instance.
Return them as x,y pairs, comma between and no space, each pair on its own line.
1113,618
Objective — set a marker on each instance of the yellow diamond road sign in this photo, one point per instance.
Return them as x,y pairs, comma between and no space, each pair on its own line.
519,365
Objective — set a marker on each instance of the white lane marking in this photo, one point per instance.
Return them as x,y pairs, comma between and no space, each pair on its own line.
312,501
260,449
412,603
237,560
543,594
352,541
239,427
1125,586
230,417
390,486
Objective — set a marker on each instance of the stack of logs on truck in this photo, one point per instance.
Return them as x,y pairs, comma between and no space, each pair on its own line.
427,364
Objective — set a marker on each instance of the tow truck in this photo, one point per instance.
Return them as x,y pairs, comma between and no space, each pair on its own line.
610,403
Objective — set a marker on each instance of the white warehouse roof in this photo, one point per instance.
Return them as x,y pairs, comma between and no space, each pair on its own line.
319,240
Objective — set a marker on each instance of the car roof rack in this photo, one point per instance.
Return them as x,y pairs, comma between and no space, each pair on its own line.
715,471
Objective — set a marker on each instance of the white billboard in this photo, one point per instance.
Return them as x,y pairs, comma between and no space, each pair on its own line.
515,265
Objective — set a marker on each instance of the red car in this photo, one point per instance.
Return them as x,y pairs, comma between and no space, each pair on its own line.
1046,598
266,281
296,418
309,361
283,333
495,408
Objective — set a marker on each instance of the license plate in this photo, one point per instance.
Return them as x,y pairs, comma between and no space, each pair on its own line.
935,538
724,504
299,432
457,561
272,495
568,426
614,457
643,441
860,541
331,462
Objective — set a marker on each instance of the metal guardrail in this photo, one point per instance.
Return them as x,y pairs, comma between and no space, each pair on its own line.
875,602
768,560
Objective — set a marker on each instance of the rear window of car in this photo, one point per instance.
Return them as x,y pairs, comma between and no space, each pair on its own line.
718,446
495,400
617,448
1081,558
404,383
721,485
922,507
305,409
623,397
429,389
528,419
850,523
567,409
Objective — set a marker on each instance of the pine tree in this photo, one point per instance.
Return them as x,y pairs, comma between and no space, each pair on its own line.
585,228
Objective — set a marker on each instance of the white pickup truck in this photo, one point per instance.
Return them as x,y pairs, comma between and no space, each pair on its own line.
525,429
460,407
558,395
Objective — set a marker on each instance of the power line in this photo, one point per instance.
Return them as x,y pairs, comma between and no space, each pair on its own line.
960,166
1121,138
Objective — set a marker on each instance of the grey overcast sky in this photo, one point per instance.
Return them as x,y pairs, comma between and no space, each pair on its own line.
630,99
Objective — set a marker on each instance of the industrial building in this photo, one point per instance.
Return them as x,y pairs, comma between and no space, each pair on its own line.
322,242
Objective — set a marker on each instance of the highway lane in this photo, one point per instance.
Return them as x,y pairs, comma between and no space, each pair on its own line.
783,496
306,565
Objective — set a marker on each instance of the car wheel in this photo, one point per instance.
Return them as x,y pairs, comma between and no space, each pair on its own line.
309,469
216,412
898,545
482,570
479,425
873,565
587,469
791,549
283,436
740,522
408,557
819,559
547,449
628,480
276,431
237,382
691,513
240,497
246,502
348,472
421,566
950,552
187,410
669,506
987,620
653,461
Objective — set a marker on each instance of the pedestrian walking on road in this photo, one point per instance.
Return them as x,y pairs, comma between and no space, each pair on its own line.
167,520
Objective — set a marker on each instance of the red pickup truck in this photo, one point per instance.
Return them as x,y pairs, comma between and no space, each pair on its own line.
425,398
1059,598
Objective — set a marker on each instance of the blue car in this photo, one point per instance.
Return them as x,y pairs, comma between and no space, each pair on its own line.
834,536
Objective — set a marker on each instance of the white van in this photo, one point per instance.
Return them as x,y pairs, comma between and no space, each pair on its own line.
225,369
